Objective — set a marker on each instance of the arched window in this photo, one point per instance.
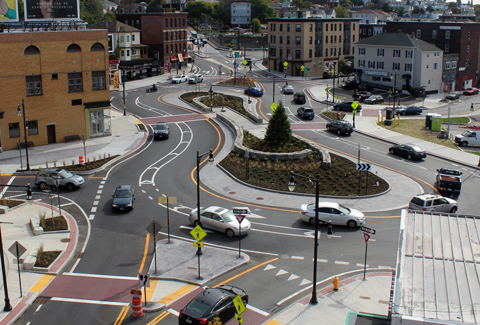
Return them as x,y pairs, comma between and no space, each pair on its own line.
73,48
97,47
31,50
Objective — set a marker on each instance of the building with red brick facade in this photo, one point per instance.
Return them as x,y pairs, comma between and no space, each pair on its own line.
62,79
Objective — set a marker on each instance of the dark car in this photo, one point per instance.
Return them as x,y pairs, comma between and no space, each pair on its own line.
253,91
213,302
305,112
249,61
346,106
300,98
408,151
409,110
123,198
340,127
365,87
374,99
161,130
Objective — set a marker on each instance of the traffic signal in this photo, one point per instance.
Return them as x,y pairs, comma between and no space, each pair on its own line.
231,43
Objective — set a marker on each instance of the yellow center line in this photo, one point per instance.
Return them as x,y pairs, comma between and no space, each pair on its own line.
159,318
244,272
122,315
145,252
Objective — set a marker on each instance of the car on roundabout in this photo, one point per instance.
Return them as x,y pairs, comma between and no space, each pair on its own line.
222,220
210,304
453,95
123,198
46,179
346,107
332,212
471,91
305,112
409,151
179,79
254,91
162,130
428,202
408,110
288,90
195,78
374,99
300,98
340,127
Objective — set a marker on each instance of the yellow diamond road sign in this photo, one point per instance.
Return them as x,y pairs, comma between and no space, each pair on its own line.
253,80
285,63
302,68
274,106
239,305
354,106
239,318
245,62
198,233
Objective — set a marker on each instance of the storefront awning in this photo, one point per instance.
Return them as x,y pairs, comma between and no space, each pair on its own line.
173,58
185,56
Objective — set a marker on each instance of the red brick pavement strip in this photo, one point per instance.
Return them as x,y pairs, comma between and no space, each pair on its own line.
183,301
343,283
174,118
18,309
91,288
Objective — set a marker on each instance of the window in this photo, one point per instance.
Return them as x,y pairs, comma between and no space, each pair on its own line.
298,40
34,85
166,34
326,52
128,52
380,52
331,27
326,27
271,27
380,65
281,53
166,48
72,48
408,67
339,51
468,48
281,39
468,35
298,27
273,51
340,27
396,66
331,38
32,127
288,39
353,26
311,28
361,51
340,38
467,62
419,33
310,40
298,54
335,39
447,48
133,37
428,66
310,53
447,34
14,130
288,27
447,65
31,50
326,39
454,64
361,63
122,53
128,38
396,53
183,22
434,34
369,32
98,80
408,54
75,82
353,38
335,27
435,66
281,27
371,64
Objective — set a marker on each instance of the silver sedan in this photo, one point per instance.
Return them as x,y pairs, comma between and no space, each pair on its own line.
332,212
220,219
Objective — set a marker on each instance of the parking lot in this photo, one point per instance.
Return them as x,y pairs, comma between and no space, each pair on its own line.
400,99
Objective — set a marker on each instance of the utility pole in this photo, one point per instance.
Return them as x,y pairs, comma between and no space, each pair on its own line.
274,90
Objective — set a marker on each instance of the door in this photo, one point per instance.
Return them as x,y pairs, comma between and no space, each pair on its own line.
51,134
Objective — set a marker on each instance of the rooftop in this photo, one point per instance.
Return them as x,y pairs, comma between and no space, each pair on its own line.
399,40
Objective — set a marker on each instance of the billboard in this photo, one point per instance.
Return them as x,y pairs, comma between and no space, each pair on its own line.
8,10
38,10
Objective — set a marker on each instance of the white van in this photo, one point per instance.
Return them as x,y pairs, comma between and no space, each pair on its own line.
468,138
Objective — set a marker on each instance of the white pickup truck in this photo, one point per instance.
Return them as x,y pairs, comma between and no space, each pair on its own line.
468,138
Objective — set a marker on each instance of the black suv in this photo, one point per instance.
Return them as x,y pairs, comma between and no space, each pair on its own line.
161,130
305,112
340,126
346,106
300,98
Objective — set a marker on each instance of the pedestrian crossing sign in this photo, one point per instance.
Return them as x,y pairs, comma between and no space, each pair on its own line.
274,106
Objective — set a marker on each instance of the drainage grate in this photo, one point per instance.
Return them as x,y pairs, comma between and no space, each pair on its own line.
41,301
81,255
274,308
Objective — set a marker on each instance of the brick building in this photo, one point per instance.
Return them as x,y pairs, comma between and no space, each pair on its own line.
453,37
62,78
165,34
315,43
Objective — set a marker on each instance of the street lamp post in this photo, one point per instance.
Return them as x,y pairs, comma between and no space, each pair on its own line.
316,182
394,91
333,90
210,160
19,113
57,179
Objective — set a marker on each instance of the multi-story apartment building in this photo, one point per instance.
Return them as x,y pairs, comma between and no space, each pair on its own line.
240,14
311,43
367,30
453,37
165,34
61,77
399,61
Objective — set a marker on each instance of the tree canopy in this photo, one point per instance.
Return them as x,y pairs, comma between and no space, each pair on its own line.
196,9
91,11
256,26
278,129
302,4
261,10
340,12
155,6
386,7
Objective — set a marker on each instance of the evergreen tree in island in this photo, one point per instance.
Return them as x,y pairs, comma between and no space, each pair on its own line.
278,130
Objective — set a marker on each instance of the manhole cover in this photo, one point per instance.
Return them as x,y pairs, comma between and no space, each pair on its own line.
259,198
232,192
65,240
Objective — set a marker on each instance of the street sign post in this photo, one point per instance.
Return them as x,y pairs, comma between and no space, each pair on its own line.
144,280
240,218
302,68
18,250
363,167
153,228
367,231
167,200
198,233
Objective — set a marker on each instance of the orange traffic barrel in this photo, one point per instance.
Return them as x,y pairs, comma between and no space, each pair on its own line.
137,310
81,160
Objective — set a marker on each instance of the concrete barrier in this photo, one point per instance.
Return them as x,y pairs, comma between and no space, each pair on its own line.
35,224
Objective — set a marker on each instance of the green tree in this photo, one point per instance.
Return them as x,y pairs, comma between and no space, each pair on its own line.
110,16
345,4
400,11
386,7
278,129
451,4
340,12
156,5
261,10
220,13
91,11
256,26
196,9
430,9
418,10
302,4
358,3
477,10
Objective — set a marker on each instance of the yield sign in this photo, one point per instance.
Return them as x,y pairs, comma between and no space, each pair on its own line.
240,218
367,237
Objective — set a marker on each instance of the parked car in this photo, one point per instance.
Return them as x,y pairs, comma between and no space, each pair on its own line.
471,91
449,180
161,130
347,107
212,302
365,87
300,98
408,151
254,91
123,198
45,179
305,112
248,34
332,212
374,99
178,79
236,28
409,110
287,89
340,127
468,138
195,78
453,95
221,220
433,203
229,34
362,96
